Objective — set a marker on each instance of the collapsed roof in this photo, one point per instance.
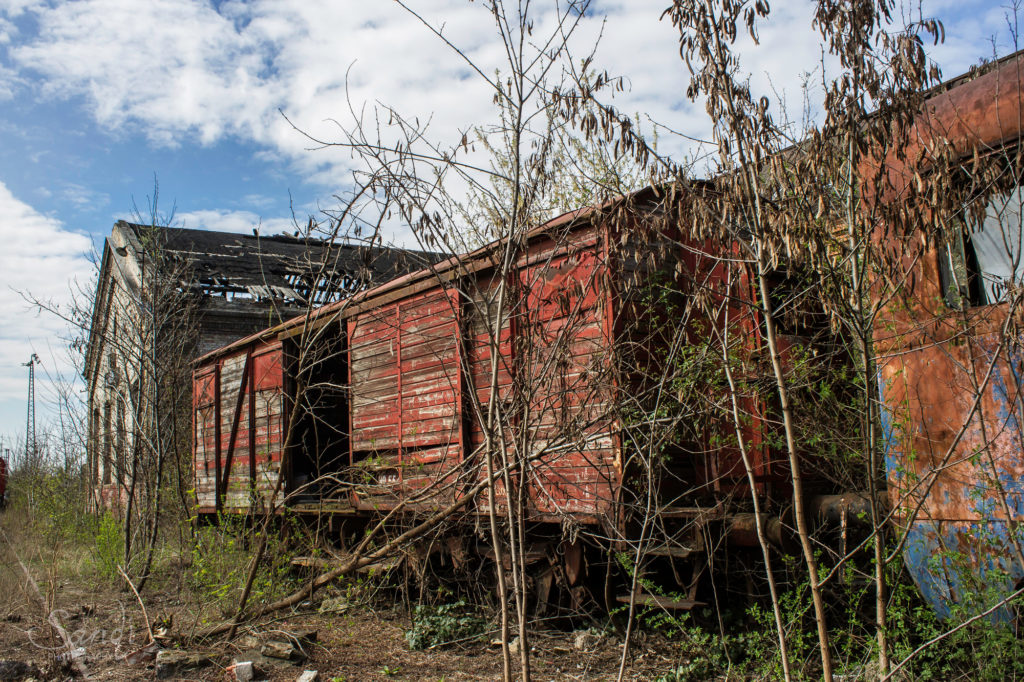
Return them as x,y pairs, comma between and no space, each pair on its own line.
283,268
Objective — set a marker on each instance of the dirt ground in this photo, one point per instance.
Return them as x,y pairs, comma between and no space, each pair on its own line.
352,643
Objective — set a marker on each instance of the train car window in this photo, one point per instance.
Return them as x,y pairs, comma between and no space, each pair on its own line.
980,263
958,273
795,305
122,438
997,246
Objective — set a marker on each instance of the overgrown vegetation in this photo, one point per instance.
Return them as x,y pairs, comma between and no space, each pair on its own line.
444,624
747,389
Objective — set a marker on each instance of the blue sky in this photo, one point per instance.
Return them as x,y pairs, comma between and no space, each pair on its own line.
98,96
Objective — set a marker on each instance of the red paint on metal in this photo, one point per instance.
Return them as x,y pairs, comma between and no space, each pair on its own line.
953,428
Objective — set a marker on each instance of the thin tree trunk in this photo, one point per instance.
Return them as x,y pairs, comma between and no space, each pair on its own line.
494,343
794,464
758,523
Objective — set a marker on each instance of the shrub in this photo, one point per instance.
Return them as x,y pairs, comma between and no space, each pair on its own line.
221,558
108,546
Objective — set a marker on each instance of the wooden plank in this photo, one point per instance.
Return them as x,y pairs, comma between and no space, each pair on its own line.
237,415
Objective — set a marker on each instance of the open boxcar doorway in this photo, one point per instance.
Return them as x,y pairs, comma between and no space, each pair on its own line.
317,388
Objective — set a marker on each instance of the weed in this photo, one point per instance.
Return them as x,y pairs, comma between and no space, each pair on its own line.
221,559
444,624
108,546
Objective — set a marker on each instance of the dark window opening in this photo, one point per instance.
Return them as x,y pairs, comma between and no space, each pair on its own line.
96,436
122,438
107,444
796,309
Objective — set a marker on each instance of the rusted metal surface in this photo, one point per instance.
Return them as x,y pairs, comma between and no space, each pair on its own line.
950,381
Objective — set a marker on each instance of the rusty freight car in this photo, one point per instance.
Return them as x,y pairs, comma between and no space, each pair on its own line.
950,349
413,392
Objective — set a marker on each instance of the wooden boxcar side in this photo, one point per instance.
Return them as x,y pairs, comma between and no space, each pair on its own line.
405,383
419,360
563,340
238,402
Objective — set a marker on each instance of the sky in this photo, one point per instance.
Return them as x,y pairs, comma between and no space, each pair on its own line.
101,98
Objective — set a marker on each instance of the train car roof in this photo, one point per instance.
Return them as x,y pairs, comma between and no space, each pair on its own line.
443,270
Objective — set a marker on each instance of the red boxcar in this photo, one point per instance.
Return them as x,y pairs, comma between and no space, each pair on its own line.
385,399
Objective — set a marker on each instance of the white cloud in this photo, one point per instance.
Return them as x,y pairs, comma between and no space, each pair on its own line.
187,71
41,258
184,71
257,201
243,222
82,197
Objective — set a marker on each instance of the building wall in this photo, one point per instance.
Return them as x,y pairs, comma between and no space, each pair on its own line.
225,304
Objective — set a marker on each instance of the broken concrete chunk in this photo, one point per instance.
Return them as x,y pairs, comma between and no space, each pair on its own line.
334,605
70,656
247,642
276,649
170,662
244,672
585,639
308,676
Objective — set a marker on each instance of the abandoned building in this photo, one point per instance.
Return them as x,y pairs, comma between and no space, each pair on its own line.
166,295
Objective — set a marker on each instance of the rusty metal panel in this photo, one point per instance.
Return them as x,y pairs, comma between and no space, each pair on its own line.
955,463
954,448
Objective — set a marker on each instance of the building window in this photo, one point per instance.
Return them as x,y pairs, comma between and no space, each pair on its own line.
95,446
122,438
107,438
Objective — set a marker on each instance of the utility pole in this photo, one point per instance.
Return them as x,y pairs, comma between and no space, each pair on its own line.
30,420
